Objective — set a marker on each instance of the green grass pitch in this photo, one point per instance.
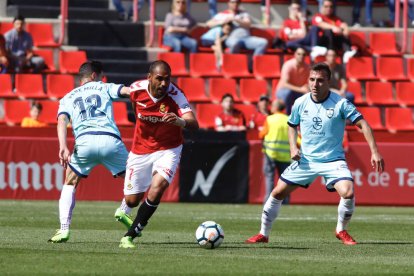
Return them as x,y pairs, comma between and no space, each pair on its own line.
302,241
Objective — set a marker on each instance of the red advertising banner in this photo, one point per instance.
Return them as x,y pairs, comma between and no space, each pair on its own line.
395,186
29,169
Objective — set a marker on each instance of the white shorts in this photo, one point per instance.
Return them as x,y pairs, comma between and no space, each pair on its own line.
141,167
303,173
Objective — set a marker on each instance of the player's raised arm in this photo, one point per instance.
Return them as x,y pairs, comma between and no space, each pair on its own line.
377,161
125,91
64,153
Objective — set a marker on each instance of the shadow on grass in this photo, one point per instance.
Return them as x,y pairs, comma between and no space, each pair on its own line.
230,245
387,243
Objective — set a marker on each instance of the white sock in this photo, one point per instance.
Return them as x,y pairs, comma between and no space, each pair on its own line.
66,205
345,210
124,207
270,212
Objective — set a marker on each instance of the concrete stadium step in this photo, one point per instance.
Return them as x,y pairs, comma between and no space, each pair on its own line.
34,11
123,78
138,67
102,52
103,4
106,33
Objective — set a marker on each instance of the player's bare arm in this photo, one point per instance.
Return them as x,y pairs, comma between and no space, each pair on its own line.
377,161
187,120
293,137
125,91
64,153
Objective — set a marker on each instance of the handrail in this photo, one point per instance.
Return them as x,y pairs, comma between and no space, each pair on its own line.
135,11
397,14
267,11
63,18
152,23
405,27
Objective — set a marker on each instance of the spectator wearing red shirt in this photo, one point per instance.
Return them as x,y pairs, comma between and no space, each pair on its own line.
4,62
333,30
230,119
258,118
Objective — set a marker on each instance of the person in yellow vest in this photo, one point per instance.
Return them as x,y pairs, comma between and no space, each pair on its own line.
275,145
33,120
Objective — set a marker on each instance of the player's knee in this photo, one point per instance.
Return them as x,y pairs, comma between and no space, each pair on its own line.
348,194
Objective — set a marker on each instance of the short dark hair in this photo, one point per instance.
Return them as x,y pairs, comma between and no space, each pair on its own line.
227,95
37,105
89,67
157,63
321,66
18,17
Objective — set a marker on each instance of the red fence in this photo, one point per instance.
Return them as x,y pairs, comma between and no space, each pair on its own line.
29,169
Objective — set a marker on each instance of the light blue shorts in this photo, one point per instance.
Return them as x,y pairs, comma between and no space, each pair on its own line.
303,173
92,150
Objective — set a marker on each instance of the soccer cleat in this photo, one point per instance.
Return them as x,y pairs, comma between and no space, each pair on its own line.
123,218
60,236
126,242
259,238
345,238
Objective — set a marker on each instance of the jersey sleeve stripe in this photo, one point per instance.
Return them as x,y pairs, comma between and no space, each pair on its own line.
359,118
64,113
292,125
119,91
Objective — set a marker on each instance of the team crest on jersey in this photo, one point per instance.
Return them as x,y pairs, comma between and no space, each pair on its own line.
163,108
129,186
330,112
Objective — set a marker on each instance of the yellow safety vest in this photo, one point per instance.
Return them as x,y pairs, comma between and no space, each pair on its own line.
276,141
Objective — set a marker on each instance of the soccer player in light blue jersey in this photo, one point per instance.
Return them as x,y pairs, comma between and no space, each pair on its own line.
97,139
321,115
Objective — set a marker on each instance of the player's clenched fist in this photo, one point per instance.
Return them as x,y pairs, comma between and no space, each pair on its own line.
172,118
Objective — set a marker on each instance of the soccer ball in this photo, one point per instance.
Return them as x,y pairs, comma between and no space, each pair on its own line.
209,235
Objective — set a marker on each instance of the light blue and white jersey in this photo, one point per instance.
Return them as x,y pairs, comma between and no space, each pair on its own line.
89,107
322,126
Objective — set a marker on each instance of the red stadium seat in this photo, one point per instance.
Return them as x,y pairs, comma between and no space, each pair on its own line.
177,63
247,110
286,57
206,113
410,68
360,68
390,68
203,65
193,88
6,89
49,112
405,93
269,35
161,39
252,89
5,27
219,87
266,66
47,55
70,61
42,34
398,118
379,93
121,114
358,39
355,88
59,85
373,116
196,33
384,44
235,66
15,111
29,86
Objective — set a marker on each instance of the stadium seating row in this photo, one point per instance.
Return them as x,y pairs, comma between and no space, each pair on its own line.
16,110
42,33
69,61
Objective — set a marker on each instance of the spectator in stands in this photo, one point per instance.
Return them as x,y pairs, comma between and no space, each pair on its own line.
4,62
275,145
219,43
178,25
356,12
338,82
33,120
123,15
19,44
391,6
258,118
230,119
293,81
239,37
295,32
333,31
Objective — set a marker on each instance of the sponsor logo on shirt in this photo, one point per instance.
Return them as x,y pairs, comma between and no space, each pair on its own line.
151,119
317,123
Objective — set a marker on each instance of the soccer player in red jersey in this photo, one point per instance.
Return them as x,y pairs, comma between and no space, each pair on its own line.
162,111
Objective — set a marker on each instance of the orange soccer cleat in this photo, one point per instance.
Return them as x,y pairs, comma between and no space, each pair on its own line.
259,238
345,238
